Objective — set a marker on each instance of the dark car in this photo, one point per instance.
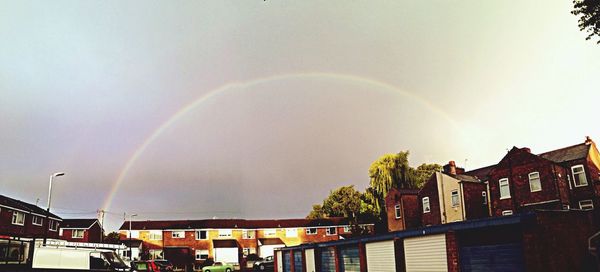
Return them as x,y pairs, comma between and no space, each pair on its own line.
152,266
267,264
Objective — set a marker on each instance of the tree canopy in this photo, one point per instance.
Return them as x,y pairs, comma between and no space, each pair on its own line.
588,12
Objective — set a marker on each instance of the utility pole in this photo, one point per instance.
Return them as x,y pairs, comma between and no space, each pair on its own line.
101,219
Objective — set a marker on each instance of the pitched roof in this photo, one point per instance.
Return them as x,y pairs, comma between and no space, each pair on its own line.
232,223
78,223
270,241
481,173
24,206
574,152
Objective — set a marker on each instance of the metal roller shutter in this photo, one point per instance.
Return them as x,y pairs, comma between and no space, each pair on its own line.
381,256
426,253
349,259
309,257
500,257
287,265
328,260
297,261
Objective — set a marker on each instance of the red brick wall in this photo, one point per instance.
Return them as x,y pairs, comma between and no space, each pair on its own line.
91,235
452,249
474,205
430,190
27,230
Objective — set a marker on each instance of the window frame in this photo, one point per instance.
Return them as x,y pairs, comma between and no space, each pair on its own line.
484,196
33,219
539,181
270,232
507,212
225,233
246,234
590,205
199,237
309,231
52,225
15,218
454,196
178,232
291,232
328,231
76,231
507,185
582,172
398,211
423,201
199,252
153,235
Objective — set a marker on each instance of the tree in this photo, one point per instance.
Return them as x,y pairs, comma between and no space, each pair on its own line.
316,213
589,16
112,238
387,172
424,172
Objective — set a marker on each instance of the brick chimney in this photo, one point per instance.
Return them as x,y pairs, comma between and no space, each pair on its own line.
527,149
588,140
451,169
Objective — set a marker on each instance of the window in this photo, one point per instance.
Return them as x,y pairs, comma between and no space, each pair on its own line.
579,176
311,231
201,235
37,220
153,235
270,232
455,200
504,190
77,233
291,232
53,225
178,234
566,207
201,254
535,184
484,196
586,205
249,250
155,254
331,231
397,211
248,234
347,229
426,207
507,212
225,233
18,218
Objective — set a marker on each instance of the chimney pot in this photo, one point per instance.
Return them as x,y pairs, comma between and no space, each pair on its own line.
588,140
527,149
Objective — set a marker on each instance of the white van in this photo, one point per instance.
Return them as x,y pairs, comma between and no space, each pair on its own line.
85,259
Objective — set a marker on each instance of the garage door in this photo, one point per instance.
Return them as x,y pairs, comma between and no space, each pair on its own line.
426,253
328,260
226,255
381,256
267,250
297,260
500,257
349,259
309,256
287,264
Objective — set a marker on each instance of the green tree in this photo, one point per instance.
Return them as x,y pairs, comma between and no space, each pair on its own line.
316,213
424,172
387,172
112,238
589,16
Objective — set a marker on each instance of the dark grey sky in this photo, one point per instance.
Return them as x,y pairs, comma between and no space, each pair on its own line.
84,85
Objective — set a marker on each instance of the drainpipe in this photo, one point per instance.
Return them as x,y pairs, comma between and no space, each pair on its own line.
462,201
443,198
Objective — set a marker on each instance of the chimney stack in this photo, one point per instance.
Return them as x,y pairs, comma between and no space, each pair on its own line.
527,149
450,168
588,140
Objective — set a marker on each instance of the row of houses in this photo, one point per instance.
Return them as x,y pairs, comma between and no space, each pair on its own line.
528,212
22,220
196,242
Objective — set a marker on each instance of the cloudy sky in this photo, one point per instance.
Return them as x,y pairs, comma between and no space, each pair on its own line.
257,109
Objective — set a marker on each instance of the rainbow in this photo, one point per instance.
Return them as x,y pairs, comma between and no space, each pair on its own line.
223,88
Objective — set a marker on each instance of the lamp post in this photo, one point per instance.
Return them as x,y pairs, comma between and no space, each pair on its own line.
58,174
130,250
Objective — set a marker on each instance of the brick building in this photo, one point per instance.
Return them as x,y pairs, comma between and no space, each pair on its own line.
81,230
228,240
25,220
402,209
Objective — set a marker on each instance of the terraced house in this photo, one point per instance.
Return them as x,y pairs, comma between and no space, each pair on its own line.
24,220
228,240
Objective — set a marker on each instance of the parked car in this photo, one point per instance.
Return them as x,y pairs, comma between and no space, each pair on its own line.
151,266
268,264
63,258
218,267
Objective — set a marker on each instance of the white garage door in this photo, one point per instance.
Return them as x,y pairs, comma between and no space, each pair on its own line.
309,258
426,253
226,255
381,256
267,250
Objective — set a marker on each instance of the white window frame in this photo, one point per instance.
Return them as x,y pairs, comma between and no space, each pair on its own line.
178,234
34,219
582,172
454,197
507,185
426,205
328,231
270,232
18,218
78,233
154,235
586,205
347,229
199,237
311,231
225,233
507,212
398,211
200,252
52,225
539,181
484,196
291,232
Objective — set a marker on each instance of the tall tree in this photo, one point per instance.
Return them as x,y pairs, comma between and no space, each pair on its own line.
424,172
589,16
387,172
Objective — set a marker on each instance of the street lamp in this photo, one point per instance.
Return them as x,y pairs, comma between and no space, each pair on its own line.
130,251
58,174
